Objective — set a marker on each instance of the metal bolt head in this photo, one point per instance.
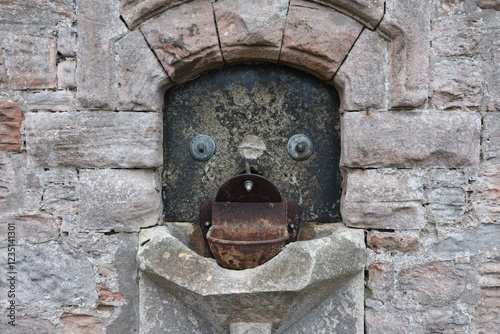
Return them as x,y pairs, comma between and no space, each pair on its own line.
300,147
248,185
202,147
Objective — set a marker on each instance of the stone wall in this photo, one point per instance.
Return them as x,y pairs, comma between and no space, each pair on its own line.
81,90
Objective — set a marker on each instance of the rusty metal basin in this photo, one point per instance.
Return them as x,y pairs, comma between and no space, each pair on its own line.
232,251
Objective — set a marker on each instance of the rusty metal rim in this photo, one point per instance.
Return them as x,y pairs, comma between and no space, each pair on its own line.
245,242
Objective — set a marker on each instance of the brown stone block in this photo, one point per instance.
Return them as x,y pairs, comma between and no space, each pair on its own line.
185,40
392,242
487,318
30,228
134,12
317,39
381,281
437,283
486,197
368,12
83,323
10,126
410,139
457,37
247,36
489,4
27,62
99,26
457,83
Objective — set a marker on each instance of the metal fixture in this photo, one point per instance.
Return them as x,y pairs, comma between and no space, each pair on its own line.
202,147
248,227
300,147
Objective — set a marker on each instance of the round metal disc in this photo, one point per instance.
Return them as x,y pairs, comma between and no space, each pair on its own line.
202,147
300,147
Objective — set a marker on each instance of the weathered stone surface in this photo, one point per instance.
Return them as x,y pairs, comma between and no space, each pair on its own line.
50,101
136,11
491,137
367,12
446,205
245,36
250,328
489,275
28,325
410,139
407,26
383,199
140,87
316,39
487,318
387,322
126,295
477,240
34,16
27,62
56,276
268,290
99,25
66,72
185,40
66,40
445,320
361,78
450,7
29,228
486,198
10,126
457,37
381,281
118,199
83,323
489,4
457,83
437,283
392,242
95,139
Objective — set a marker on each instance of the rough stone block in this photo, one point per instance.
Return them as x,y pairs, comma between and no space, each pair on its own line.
410,139
437,283
392,242
383,199
489,275
381,281
66,71
139,87
57,101
491,137
489,4
446,205
368,12
362,75
95,139
66,40
407,26
27,62
34,16
134,12
487,318
10,126
99,25
478,240
316,39
27,325
457,37
457,84
76,323
185,40
245,36
29,228
486,197
118,199
56,276
450,7
386,321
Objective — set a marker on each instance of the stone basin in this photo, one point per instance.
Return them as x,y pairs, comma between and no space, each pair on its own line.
278,292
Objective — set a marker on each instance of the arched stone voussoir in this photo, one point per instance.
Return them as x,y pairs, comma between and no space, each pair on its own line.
250,30
134,12
317,39
368,12
185,40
